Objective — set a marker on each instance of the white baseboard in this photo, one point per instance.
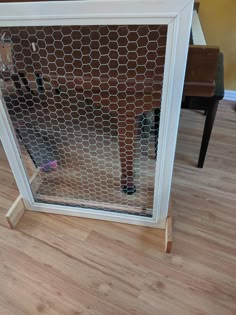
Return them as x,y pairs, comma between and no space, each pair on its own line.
230,95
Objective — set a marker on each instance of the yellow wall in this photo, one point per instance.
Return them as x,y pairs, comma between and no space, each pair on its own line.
218,19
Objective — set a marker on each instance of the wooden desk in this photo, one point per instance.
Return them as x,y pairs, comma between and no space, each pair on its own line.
202,63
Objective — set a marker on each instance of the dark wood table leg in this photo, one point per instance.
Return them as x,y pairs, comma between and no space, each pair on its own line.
210,118
126,134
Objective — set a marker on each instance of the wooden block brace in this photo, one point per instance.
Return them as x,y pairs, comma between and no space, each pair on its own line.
168,230
15,212
17,209
168,235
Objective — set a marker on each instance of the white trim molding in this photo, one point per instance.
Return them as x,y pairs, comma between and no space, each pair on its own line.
230,95
177,14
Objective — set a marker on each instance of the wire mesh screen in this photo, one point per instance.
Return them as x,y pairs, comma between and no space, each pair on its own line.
84,102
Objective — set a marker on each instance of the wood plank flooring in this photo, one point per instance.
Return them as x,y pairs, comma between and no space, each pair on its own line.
57,265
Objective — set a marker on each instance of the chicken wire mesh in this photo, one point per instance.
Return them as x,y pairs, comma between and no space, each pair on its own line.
84,102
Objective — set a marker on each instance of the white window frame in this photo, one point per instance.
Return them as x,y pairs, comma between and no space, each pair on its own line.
177,14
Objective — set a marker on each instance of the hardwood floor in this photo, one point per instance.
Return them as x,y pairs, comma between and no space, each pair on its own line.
57,265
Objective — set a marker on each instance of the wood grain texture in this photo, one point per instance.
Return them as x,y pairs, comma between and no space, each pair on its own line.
201,71
58,265
15,212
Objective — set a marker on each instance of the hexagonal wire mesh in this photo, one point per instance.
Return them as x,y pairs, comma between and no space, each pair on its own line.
84,102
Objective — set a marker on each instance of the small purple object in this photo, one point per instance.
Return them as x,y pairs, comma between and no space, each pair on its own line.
47,167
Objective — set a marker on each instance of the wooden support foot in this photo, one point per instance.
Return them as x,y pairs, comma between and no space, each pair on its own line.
168,235
168,230
15,212
17,209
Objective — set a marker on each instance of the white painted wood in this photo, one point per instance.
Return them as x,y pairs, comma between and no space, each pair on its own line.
12,151
163,127
86,12
230,95
98,214
176,55
177,14
198,35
